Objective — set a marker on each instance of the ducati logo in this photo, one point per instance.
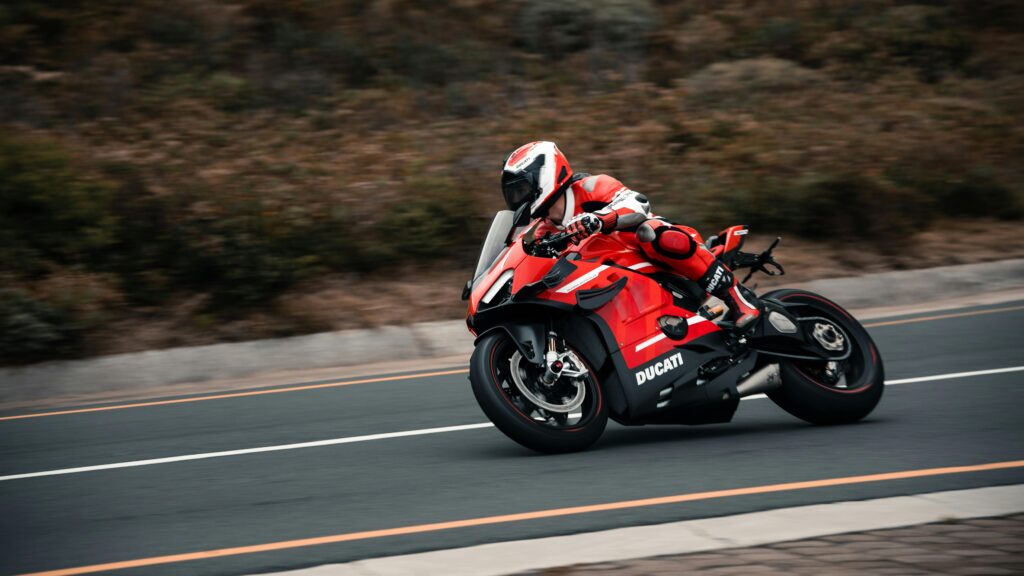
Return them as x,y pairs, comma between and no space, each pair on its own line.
659,368
714,280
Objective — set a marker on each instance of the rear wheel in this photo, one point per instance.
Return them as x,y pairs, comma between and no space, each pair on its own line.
566,416
829,392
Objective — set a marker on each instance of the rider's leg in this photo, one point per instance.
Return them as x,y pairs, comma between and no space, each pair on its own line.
681,249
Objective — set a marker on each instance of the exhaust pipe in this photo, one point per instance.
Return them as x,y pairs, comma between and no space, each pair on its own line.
765,379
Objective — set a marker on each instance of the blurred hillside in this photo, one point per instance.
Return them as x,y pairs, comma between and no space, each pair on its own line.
190,171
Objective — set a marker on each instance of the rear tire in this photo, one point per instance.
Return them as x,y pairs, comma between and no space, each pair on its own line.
807,392
511,412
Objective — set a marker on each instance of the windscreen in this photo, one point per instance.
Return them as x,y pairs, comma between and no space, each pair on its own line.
495,241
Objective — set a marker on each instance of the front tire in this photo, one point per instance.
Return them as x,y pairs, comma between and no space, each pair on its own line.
830,393
522,420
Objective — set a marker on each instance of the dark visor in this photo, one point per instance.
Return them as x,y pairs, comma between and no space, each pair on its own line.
517,191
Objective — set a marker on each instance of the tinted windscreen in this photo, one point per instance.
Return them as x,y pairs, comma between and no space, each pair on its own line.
495,241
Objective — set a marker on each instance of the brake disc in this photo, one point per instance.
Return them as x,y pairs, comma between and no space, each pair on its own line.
516,368
829,337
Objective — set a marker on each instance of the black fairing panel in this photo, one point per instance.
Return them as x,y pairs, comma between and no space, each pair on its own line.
527,324
688,402
696,402
584,336
529,338
597,297
631,401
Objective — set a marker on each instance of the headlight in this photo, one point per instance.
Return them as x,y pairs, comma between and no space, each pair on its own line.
503,281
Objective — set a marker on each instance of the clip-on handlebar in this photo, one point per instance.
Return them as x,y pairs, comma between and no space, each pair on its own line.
553,244
758,262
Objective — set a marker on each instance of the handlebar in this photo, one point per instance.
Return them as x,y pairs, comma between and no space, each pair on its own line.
760,262
550,245
555,243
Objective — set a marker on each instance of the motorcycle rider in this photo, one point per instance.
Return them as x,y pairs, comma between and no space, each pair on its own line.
581,204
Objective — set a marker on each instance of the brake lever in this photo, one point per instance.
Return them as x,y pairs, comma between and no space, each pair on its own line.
780,271
765,258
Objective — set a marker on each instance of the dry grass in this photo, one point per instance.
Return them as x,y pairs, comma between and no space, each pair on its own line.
282,159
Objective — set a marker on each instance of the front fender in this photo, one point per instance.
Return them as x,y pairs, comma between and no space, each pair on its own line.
528,336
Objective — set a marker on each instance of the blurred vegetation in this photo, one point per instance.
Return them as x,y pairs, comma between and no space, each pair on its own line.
152,153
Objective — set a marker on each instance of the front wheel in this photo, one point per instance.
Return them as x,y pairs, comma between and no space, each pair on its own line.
829,392
566,416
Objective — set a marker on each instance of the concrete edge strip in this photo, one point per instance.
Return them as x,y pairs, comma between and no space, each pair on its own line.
155,368
737,531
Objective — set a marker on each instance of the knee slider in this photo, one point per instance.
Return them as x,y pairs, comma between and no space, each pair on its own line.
673,243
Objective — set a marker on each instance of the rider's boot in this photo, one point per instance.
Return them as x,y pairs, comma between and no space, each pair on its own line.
681,249
744,307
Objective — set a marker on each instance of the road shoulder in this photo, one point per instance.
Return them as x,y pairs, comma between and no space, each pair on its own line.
621,550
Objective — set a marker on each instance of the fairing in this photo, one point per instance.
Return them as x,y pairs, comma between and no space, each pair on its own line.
594,284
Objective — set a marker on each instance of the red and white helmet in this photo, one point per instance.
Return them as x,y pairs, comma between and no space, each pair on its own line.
538,173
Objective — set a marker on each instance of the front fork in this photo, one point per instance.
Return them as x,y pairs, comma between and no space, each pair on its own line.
558,364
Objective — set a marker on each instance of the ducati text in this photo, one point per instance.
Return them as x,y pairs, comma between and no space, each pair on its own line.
659,368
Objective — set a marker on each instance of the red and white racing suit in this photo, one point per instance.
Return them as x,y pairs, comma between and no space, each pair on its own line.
677,248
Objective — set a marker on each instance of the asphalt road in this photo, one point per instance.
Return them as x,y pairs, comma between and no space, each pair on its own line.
95,517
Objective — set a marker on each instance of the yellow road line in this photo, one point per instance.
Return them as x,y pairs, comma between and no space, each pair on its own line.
536,515
944,316
240,394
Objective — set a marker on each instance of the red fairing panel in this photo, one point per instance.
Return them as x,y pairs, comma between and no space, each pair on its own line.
632,315
633,318
732,238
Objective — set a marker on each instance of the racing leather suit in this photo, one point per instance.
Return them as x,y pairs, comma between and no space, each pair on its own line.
676,248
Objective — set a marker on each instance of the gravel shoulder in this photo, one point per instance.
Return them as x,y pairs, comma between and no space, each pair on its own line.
990,546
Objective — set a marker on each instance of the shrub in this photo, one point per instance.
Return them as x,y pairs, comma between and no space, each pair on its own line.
752,75
227,91
50,210
32,330
922,38
624,24
556,29
246,256
976,193
780,37
838,206
433,220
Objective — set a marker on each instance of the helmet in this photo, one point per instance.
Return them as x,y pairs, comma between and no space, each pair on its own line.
537,173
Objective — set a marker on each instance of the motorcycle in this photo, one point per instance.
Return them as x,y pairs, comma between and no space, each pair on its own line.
566,338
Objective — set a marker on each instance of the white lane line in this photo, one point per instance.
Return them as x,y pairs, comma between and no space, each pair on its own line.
331,442
407,433
923,379
955,375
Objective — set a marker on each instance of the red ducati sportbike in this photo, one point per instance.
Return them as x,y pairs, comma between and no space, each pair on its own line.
568,336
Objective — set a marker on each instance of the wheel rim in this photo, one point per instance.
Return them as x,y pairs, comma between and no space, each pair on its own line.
843,376
541,395
567,404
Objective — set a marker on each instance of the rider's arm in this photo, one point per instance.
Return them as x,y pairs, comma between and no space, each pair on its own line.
625,203
619,201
